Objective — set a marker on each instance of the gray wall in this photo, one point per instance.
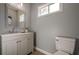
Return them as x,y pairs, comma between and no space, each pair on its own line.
2,18
27,15
64,23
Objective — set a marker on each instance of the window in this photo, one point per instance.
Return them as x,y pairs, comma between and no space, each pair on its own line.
21,18
54,7
44,11
48,8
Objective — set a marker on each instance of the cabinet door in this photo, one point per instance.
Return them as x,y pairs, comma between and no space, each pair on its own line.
29,44
19,47
11,47
24,46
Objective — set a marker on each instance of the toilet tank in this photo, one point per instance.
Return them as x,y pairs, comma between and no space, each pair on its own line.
65,44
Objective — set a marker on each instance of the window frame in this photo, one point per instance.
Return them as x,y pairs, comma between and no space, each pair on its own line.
42,8
39,9
48,5
55,11
21,16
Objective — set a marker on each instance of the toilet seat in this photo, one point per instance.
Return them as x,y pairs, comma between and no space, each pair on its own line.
60,53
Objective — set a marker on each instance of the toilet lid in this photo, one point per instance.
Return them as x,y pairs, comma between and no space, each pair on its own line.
60,53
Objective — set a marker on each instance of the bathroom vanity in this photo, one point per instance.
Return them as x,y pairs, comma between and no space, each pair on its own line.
16,43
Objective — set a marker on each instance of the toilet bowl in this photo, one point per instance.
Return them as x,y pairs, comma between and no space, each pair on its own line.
64,46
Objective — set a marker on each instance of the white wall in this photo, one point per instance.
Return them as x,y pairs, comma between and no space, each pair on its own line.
65,23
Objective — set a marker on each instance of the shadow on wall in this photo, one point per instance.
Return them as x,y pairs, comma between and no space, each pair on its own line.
34,39
76,51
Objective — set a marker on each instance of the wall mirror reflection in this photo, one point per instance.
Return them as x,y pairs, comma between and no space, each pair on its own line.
9,20
15,17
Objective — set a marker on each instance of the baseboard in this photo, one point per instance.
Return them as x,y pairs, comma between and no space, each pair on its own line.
43,51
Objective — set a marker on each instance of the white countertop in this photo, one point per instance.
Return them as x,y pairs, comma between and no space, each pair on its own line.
15,34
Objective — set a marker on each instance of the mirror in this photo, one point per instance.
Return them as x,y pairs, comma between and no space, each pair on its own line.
15,17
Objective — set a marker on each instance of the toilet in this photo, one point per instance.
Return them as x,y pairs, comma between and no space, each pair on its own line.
64,46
